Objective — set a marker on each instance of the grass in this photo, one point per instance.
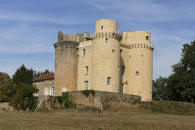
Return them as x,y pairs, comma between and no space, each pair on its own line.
146,116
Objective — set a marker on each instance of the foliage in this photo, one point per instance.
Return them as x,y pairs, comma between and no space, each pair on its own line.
23,98
179,86
7,87
65,99
88,92
23,75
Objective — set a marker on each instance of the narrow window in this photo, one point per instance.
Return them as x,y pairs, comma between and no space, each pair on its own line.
113,51
108,80
83,52
51,90
102,27
106,40
86,85
122,88
46,91
121,52
147,37
122,70
86,69
137,73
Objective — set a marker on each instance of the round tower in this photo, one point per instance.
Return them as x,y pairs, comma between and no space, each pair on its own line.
106,56
65,67
140,64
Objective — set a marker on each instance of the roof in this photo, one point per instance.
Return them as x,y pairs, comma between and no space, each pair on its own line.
49,76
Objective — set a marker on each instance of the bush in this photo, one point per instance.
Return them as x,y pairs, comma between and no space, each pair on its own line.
65,100
88,92
24,99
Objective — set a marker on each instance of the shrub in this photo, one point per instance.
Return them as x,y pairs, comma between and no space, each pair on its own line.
65,99
24,99
88,92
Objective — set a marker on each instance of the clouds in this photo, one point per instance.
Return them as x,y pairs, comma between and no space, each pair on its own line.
29,28
146,10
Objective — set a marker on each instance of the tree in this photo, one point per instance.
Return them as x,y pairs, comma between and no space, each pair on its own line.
179,86
7,87
24,98
182,81
23,75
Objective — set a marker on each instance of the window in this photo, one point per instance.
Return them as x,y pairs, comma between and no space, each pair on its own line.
102,27
52,91
147,37
122,70
46,91
122,88
121,52
137,73
86,69
106,40
86,85
113,51
108,80
83,52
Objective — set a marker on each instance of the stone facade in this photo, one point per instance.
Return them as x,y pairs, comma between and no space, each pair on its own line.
107,61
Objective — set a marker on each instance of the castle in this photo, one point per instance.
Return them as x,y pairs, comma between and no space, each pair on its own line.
107,60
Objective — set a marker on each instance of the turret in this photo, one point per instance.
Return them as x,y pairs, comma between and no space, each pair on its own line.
140,62
106,56
65,65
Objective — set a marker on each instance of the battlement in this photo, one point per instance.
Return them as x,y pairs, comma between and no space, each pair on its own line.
138,45
136,37
78,37
113,35
66,44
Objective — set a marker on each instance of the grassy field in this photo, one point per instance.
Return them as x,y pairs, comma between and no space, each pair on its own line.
107,120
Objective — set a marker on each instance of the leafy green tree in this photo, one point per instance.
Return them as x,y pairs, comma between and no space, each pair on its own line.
160,89
23,75
179,86
7,87
24,97
182,81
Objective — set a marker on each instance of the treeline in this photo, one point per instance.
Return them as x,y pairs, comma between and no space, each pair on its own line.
19,89
180,85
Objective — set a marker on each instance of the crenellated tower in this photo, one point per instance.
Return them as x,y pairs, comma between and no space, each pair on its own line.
65,63
106,56
140,63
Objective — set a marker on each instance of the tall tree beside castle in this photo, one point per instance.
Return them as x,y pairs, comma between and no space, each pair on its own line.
179,86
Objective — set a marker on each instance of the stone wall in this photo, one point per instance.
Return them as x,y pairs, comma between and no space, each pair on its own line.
99,101
5,106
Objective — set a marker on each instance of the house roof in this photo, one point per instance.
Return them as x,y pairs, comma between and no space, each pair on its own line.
49,76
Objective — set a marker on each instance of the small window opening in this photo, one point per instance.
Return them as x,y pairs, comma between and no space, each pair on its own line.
147,37
122,88
137,73
86,69
86,85
121,51
106,40
108,80
102,27
118,66
83,52
141,55
122,70
113,51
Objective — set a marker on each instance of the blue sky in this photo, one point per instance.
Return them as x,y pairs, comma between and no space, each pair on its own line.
28,28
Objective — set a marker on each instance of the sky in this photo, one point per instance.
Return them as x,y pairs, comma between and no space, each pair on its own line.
28,28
